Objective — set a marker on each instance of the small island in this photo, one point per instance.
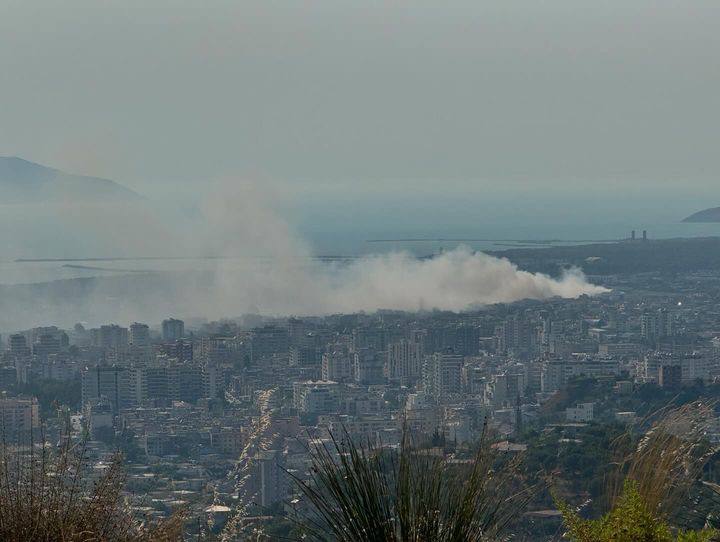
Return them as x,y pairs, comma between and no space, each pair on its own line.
708,215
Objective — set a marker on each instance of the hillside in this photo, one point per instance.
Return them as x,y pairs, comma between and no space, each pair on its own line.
22,181
708,215
662,255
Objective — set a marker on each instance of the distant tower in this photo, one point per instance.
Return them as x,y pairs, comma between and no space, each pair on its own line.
173,329
644,235
139,334
18,345
518,415
632,235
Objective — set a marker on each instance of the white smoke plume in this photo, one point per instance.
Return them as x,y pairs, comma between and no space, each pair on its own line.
261,264
457,280
284,279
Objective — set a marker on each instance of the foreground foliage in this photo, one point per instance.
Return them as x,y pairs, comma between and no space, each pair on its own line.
654,494
630,520
47,495
364,494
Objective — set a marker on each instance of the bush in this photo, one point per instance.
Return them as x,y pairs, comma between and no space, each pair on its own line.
46,495
363,494
630,520
653,494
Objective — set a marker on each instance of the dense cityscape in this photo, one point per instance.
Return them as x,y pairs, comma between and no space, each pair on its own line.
217,417
350,271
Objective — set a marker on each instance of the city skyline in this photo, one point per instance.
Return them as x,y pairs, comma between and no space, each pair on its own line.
359,271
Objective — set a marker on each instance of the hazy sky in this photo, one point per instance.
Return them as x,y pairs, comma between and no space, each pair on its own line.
368,98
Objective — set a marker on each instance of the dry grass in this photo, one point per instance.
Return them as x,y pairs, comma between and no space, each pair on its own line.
47,496
667,462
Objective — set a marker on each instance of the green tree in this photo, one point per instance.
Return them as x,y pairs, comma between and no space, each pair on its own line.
630,520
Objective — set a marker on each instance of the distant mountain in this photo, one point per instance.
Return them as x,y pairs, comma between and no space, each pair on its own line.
26,182
708,215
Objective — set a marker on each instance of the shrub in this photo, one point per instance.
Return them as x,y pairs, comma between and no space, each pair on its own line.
630,520
364,494
46,495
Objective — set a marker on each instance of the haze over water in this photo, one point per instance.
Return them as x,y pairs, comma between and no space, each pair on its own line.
419,242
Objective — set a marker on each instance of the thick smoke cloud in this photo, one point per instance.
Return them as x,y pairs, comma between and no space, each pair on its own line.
286,280
259,264
457,280
453,281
